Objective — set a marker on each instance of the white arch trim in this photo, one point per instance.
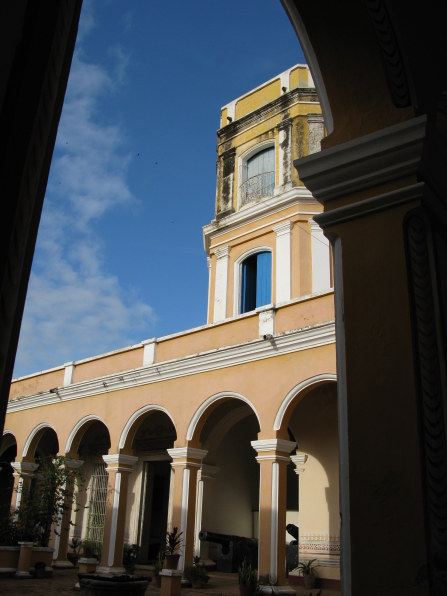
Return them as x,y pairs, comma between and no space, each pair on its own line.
33,433
207,403
316,380
136,415
78,426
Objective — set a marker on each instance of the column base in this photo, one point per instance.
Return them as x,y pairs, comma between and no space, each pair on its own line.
23,574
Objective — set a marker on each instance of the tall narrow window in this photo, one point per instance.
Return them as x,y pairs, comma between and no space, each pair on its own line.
97,504
256,281
258,176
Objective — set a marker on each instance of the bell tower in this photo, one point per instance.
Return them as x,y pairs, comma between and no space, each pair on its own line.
264,248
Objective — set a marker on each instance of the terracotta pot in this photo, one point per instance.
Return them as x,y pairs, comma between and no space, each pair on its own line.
309,581
172,561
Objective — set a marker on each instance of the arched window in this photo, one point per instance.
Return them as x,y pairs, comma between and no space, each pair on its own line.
256,281
258,176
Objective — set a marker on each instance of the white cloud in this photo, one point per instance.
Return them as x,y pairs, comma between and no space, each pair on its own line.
75,307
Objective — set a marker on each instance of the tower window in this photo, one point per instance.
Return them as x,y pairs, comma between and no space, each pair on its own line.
256,281
258,176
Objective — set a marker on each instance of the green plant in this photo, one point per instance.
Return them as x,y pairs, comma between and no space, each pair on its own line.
248,577
130,554
90,549
307,567
159,561
174,541
196,573
42,505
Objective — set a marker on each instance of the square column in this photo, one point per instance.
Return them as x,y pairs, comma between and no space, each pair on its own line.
186,462
273,458
23,475
63,527
118,468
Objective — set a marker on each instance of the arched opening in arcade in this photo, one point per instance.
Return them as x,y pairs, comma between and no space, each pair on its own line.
227,517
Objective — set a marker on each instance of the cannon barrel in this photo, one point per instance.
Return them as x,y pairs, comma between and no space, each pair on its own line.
292,530
225,539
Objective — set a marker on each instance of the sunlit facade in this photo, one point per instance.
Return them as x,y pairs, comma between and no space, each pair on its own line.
230,427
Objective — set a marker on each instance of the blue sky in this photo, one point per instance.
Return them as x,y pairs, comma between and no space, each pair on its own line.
119,255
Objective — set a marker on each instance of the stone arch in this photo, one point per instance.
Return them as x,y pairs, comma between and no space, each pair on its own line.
34,438
196,424
78,431
296,393
131,426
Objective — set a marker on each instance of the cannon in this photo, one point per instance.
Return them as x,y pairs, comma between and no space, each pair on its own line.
234,549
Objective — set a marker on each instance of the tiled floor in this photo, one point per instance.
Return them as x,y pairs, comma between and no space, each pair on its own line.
63,581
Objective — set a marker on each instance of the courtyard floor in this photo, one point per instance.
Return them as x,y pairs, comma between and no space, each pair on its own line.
63,582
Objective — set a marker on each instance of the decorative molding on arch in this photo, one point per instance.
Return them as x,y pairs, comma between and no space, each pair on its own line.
134,418
33,433
6,431
311,59
77,428
316,380
208,402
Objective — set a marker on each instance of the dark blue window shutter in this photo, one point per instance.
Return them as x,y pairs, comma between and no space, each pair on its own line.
248,285
263,278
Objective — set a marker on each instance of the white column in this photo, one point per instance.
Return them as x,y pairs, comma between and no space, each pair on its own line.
283,269
321,259
206,473
221,285
208,264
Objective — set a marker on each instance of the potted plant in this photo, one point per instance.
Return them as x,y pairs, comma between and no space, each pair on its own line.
173,543
308,570
247,578
196,574
130,554
74,554
90,553
158,566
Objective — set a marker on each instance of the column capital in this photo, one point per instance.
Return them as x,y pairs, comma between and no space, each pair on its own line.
24,468
120,462
299,460
187,456
273,449
208,472
283,228
222,252
73,464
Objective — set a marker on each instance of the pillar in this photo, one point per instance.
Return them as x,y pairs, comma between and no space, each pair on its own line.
283,261
63,527
221,284
285,155
23,475
186,462
205,475
118,468
383,202
299,460
273,458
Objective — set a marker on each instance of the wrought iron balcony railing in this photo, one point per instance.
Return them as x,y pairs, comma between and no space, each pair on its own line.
257,187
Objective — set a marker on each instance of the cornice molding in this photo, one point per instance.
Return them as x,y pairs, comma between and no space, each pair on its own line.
258,349
364,162
283,102
256,211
